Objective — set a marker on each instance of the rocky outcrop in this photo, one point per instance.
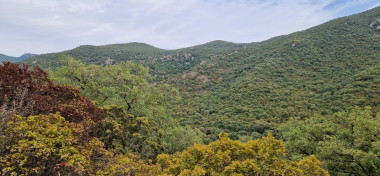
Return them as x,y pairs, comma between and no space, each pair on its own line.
187,55
109,61
375,25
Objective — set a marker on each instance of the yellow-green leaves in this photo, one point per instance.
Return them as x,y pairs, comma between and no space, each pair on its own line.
40,144
126,133
227,157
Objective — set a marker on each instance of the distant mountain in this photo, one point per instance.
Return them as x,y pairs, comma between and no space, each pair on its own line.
25,56
15,59
6,58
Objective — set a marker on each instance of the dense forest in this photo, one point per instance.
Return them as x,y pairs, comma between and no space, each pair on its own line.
307,103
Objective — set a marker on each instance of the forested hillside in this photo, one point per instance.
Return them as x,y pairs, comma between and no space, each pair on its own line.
316,90
322,70
162,63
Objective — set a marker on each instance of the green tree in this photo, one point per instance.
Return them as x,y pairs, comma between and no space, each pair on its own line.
126,84
129,134
181,137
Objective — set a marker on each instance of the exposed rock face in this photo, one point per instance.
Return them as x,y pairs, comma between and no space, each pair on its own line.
375,25
167,58
187,55
109,61
34,62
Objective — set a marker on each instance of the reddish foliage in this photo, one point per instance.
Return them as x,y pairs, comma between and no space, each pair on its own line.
27,92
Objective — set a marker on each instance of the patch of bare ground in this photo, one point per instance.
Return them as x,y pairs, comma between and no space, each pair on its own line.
202,78
212,64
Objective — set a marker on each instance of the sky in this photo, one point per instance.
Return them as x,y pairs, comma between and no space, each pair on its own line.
44,26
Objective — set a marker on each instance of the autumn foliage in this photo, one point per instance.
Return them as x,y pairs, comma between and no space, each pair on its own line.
32,147
49,145
264,156
29,92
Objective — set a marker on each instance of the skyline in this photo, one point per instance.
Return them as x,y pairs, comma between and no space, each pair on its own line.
44,26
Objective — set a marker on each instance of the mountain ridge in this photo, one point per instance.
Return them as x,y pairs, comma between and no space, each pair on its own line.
162,63
24,56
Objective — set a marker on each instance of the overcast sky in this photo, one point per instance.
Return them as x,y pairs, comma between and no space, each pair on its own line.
42,26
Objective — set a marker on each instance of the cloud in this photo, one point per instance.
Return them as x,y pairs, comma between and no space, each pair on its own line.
41,26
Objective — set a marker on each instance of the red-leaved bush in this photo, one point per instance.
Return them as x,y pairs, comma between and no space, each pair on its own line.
26,92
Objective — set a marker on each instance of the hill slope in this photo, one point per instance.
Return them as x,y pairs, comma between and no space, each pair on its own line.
325,69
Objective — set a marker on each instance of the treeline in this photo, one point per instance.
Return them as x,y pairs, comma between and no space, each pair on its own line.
52,129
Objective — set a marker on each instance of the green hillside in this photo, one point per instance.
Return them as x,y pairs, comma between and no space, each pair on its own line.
322,70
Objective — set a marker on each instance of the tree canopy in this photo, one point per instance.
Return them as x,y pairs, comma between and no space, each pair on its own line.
227,157
347,142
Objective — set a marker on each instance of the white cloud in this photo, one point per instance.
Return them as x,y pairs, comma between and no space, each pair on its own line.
41,26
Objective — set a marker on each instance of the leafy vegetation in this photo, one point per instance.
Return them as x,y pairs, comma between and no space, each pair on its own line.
68,142
128,134
318,90
127,85
32,147
50,145
28,92
227,157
